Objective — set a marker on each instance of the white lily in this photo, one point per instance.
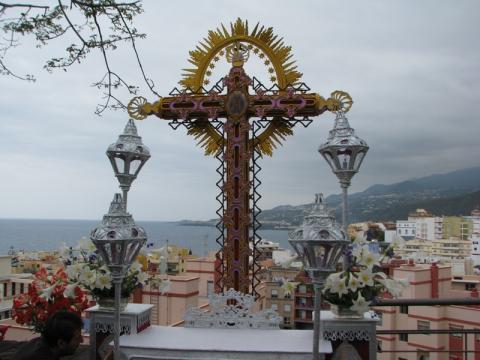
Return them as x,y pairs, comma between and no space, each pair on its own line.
394,287
353,283
339,287
165,286
103,282
69,291
142,277
136,266
359,250
63,250
404,283
73,271
360,305
288,287
398,242
47,292
85,244
328,283
360,239
366,277
369,259
87,277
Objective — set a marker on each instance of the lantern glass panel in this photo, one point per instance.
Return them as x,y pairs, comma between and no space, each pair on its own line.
344,159
359,159
135,166
328,156
120,163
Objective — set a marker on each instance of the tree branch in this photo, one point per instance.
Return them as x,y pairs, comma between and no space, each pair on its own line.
47,23
92,5
149,82
70,23
30,6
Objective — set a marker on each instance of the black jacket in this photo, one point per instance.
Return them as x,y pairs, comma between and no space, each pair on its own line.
35,349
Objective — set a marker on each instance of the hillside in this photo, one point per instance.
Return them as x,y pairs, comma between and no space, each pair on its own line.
454,193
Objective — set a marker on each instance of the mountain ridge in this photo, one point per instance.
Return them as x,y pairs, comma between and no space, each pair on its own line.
453,193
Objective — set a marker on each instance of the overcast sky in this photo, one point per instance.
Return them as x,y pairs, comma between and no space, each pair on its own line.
412,68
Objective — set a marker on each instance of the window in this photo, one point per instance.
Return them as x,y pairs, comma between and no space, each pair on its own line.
403,309
22,288
423,355
302,289
287,308
287,295
4,289
454,334
274,293
13,289
274,307
403,337
469,286
209,287
423,325
286,320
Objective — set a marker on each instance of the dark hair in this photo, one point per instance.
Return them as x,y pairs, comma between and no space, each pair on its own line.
61,326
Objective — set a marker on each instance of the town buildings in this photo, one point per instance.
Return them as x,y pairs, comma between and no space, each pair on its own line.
431,281
11,285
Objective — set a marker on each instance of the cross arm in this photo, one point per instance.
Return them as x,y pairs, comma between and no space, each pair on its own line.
212,106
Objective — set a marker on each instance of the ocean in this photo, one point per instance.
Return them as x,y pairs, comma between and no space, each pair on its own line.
31,235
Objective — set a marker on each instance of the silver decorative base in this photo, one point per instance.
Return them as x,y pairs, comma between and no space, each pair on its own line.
341,312
108,303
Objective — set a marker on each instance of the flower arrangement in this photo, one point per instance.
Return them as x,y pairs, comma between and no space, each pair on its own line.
85,268
360,285
46,295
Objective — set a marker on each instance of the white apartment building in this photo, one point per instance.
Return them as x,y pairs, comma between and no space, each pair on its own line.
406,229
421,225
427,226
475,237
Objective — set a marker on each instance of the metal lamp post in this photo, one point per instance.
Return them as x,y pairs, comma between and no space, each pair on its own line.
127,156
344,152
319,242
118,239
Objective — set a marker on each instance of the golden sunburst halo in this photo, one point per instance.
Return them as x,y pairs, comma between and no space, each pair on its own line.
261,39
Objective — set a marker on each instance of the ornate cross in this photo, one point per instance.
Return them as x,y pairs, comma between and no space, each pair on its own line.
227,124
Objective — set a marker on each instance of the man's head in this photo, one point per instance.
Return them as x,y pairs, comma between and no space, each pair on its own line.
63,332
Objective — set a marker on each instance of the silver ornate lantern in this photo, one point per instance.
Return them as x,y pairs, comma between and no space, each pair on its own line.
344,152
118,239
127,156
319,242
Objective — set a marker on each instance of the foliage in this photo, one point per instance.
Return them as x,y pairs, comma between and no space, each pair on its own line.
363,281
83,26
47,295
85,268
